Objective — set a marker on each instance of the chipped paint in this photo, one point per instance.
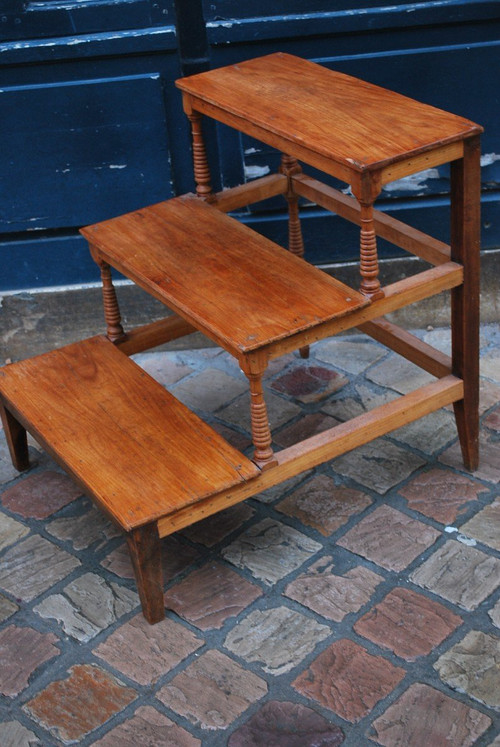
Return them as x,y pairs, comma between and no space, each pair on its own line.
253,172
414,182
249,151
489,158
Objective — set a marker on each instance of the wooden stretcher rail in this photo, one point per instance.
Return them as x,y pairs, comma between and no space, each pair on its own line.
155,333
254,191
410,239
323,447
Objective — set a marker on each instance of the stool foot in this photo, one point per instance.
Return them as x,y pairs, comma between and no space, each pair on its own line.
145,552
17,440
468,434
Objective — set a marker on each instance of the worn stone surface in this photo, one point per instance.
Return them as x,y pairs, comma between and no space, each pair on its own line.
7,470
353,357
210,595
285,724
489,395
209,390
429,434
277,491
85,530
441,494
88,605
307,426
148,727
489,460
7,608
41,494
492,421
322,504
399,374
278,639
425,716
213,530
164,368
212,691
485,526
72,707
279,411
348,680
14,734
462,575
33,566
152,650
22,650
490,365
309,383
494,614
239,440
379,465
408,624
389,538
175,558
473,667
333,595
270,550
10,531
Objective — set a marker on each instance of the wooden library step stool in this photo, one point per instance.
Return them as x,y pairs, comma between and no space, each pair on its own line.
134,449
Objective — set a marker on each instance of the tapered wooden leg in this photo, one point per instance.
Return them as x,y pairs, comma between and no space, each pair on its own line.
16,439
145,552
261,432
465,245
112,315
200,162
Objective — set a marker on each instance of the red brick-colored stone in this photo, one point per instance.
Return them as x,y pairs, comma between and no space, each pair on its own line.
211,531
148,727
208,596
305,427
408,623
285,724
492,421
348,680
389,538
309,383
73,707
40,495
22,650
425,716
441,494
175,557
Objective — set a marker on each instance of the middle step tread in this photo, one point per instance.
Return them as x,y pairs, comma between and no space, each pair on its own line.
238,287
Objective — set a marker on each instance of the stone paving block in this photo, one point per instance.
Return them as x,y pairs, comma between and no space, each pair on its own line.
323,505
209,390
33,566
441,494
10,531
213,530
278,639
211,595
7,470
366,399
14,734
270,550
399,374
40,495
408,624
489,395
279,411
429,434
495,743
212,691
353,357
285,724
163,367
152,650
425,716
308,425
473,667
22,650
175,557
240,441
348,680
7,608
389,538
490,365
485,526
379,465
489,460
82,531
88,605
463,575
148,727
330,595
309,383
492,421
494,613
272,494
73,707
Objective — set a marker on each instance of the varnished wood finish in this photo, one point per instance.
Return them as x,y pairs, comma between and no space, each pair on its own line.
145,553
139,452
465,237
200,163
155,333
249,291
17,441
114,329
254,191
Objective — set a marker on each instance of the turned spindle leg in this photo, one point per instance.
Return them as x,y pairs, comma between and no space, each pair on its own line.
112,316
370,284
200,163
465,244
261,432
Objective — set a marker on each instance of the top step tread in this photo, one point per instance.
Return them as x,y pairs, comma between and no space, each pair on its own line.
141,453
236,286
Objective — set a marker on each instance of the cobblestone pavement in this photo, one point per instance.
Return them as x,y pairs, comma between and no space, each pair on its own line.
358,604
